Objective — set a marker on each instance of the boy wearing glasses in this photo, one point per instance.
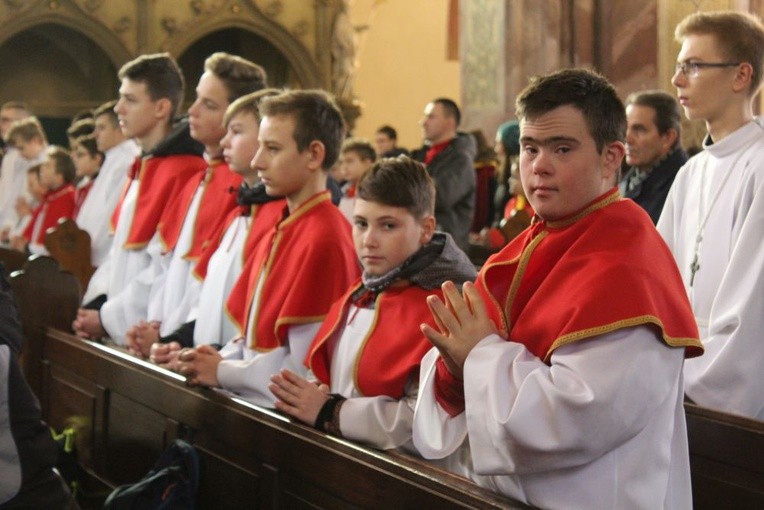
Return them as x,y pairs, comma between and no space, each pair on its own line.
713,220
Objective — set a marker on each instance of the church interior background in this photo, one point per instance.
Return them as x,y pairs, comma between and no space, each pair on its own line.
384,59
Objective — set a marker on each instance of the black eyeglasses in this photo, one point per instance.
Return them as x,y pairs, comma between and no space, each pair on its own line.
692,69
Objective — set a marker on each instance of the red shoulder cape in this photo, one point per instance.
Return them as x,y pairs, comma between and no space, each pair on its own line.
393,349
218,199
306,262
604,269
80,194
56,204
160,177
264,218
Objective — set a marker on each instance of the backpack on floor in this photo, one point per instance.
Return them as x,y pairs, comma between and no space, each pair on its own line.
170,485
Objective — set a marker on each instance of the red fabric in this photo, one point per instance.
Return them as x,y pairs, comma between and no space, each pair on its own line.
161,177
264,219
56,204
217,202
485,173
518,204
392,351
80,194
605,268
449,391
307,262
434,150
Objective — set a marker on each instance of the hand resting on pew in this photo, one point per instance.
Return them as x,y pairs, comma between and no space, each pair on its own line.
141,337
88,324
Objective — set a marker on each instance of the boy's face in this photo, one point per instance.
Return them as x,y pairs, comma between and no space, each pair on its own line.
561,169
707,95
136,111
240,143
48,176
206,114
28,149
385,236
84,162
106,133
282,168
34,186
353,166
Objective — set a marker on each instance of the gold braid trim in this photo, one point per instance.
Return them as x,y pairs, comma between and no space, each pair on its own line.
614,197
585,334
520,272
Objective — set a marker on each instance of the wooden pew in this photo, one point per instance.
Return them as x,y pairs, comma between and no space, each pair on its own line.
129,411
70,246
13,260
726,459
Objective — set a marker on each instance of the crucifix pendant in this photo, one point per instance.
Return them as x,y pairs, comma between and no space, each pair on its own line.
694,269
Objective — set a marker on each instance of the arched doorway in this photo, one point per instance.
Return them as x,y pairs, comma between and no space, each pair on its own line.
240,42
58,71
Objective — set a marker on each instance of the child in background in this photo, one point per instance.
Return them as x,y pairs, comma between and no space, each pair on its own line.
87,162
356,156
56,176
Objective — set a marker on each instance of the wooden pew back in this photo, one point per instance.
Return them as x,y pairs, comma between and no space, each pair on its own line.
70,246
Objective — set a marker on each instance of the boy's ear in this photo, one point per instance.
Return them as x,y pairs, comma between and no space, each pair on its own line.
316,154
743,77
162,108
428,229
612,156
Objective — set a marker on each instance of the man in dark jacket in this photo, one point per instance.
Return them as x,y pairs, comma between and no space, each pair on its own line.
653,149
449,156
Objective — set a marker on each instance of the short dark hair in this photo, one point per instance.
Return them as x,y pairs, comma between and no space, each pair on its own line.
88,142
362,147
389,131
161,74
399,182
316,116
80,128
239,75
449,108
586,91
63,162
665,107
107,109
740,36
249,103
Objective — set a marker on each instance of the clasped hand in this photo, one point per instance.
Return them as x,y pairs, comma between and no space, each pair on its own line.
462,322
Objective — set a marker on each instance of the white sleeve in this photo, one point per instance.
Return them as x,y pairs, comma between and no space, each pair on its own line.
436,434
250,377
99,282
382,422
130,306
525,416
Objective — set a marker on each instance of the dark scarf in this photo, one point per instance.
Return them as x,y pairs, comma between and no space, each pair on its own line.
248,196
434,263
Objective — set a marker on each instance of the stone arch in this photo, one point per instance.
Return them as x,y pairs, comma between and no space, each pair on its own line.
296,55
101,35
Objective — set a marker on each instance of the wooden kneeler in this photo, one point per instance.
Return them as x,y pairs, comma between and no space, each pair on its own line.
70,246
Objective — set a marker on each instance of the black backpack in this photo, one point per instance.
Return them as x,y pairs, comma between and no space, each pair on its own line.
170,485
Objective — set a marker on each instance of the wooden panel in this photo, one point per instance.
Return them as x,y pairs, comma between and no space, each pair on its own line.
223,484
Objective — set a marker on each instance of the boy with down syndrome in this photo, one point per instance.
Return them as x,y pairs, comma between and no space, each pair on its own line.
300,267
561,367
368,349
